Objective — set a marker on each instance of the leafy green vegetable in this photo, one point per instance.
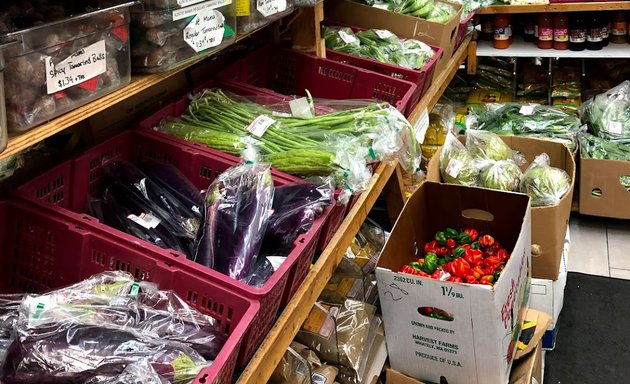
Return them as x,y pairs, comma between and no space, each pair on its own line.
544,184
608,114
597,148
504,175
441,13
487,145
456,164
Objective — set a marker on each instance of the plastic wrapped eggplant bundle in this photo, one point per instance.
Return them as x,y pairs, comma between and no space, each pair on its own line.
67,55
238,204
295,208
9,305
545,185
608,114
135,373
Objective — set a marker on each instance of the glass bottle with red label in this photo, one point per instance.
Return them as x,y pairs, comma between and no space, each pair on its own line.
545,31
594,33
502,31
577,32
561,31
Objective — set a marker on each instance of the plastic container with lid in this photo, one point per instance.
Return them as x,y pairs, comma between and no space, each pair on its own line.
166,35
561,31
577,32
252,14
545,31
618,28
57,66
502,31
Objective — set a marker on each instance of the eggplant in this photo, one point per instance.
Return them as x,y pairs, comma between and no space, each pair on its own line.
237,207
169,177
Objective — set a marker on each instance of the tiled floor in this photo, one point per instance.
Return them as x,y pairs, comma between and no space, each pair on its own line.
600,246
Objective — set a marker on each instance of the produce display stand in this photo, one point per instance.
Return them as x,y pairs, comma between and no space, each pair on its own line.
556,7
387,179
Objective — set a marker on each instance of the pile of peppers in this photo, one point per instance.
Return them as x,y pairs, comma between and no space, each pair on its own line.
461,257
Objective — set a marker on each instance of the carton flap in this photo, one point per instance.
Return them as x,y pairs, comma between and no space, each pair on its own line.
542,321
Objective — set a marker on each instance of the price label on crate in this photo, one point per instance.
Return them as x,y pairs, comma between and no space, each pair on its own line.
146,220
83,65
383,33
615,127
271,7
527,110
348,38
205,30
421,126
259,126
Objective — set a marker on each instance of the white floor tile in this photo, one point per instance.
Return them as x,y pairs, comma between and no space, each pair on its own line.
620,273
619,244
589,246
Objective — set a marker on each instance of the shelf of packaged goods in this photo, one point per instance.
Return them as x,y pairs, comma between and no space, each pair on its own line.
521,48
21,141
557,7
387,180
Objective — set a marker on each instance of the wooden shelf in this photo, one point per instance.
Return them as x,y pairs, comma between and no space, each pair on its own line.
556,7
387,179
19,142
521,48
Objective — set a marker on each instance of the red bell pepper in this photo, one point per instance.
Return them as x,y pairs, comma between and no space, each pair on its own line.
472,233
466,246
471,279
503,255
441,251
460,267
440,275
431,246
473,257
486,241
477,272
408,269
455,279
450,243
487,280
492,262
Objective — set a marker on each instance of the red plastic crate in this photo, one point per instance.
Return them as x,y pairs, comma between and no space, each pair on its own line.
44,251
64,190
463,29
274,71
422,78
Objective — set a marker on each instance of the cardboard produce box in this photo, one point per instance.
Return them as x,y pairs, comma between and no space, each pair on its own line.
601,191
478,345
405,26
549,224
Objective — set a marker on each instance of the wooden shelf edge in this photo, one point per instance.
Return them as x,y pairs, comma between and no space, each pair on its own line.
139,83
265,360
556,7
440,82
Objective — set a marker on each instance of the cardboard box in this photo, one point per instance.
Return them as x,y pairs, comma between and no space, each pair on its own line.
549,224
478,345
603,176
365,16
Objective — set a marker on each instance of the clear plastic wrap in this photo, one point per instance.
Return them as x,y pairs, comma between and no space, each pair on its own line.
135,373
504,175
595,147
295,208
457,166
485,145
608,114
102,326
252,14
170,178
9,314
238,207
292,369
544,184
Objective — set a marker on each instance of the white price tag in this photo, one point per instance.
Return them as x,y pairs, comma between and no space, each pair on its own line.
421,126
454,167
83,65
192,10
259,126
615,127
384,6
271,7
527,110
348,38
146,220
301,108
205,30
185,3
383,33
281,114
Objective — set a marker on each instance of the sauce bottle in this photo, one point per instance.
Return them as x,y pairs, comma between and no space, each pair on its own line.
502,31
577,32
528,32
487,29
605,17
561,31
618,28
594,33
545,31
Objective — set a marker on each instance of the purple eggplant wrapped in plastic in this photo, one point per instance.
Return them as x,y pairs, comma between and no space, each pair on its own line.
169,177
81,352
136,373
296,207
237,207
182,217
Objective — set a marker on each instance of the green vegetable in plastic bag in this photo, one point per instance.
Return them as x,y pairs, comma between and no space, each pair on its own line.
545,185
456,164
487,145
441,13
608,114
339,37
597,148
504,175
377,37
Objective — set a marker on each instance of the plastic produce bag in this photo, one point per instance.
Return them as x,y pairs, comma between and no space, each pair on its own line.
295,208
456,164
545,185
608,114
292,369
237,208
169,177
504,175
135,373
484,145
9,304
597,148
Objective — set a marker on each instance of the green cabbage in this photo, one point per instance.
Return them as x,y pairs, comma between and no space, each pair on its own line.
545,185
487,145
504,175
456,164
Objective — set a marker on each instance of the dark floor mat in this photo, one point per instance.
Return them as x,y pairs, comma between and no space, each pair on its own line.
593,342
